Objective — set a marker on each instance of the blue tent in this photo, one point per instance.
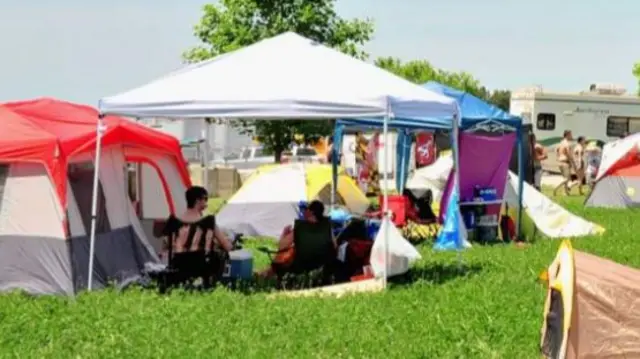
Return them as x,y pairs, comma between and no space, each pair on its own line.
474,110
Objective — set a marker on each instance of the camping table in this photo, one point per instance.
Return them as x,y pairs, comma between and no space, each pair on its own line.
481,228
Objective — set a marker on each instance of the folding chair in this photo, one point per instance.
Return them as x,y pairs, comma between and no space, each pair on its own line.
314,249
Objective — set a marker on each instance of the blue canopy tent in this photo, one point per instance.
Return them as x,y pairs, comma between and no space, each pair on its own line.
475,114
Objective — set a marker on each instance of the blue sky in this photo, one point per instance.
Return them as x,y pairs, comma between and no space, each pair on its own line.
83,50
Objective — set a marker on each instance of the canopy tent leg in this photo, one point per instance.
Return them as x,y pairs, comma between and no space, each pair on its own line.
385,195
456,174
334,170
205,155
94,200
520,182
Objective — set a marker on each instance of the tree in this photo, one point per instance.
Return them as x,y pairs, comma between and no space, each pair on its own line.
501,98
232,24
636,73
421,71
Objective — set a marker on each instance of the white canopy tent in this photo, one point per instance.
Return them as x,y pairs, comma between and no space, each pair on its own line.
284,77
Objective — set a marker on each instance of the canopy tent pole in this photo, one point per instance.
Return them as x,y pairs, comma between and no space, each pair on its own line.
205,156
456,168
520,181
94,200
335,148
404,140
385,196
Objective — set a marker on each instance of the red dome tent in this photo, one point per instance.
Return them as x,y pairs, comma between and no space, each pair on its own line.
46,177
618,180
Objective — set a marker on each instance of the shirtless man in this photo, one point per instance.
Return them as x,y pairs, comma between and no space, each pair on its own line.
565,157
578,157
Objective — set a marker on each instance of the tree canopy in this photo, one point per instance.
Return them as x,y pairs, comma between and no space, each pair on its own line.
232,24
421,71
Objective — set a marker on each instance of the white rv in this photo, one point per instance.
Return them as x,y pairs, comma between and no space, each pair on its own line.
603,113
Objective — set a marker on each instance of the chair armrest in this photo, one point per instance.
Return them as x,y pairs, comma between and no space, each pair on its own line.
268,250
272,251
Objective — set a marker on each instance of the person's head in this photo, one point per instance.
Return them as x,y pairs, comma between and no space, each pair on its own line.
197,198
582,140
567,135
314,211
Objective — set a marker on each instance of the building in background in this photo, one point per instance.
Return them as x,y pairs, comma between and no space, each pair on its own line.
224,139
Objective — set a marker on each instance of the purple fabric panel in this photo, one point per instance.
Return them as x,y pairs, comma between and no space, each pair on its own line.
484,162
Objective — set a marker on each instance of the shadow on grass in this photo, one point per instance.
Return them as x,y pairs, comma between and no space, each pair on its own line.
437,273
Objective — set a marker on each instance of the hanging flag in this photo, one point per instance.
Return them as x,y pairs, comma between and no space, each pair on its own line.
453,235
425,152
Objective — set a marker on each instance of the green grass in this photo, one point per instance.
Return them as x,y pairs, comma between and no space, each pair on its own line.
491,309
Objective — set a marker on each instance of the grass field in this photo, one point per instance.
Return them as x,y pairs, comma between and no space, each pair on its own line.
492,309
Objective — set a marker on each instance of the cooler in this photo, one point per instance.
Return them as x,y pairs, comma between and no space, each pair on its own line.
397,208
240,265
487,229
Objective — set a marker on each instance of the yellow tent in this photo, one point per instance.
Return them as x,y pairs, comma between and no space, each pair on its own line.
268,200
591,308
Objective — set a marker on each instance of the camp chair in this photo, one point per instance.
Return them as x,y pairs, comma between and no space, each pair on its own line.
185,267
314,249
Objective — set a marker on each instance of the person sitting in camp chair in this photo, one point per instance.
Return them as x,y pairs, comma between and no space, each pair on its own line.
306,246
194,245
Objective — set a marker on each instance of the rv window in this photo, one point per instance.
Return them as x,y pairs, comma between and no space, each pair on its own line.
617,126
634,125
546,121
4,173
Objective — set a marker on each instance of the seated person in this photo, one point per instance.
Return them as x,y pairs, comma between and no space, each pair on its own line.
314,213
410,207
418,209
192,231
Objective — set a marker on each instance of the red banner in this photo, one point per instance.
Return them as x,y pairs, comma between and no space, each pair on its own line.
425,149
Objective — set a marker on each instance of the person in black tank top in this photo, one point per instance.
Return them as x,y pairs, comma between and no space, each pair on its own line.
193,238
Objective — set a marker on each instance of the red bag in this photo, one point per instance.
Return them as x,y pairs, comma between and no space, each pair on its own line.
508,228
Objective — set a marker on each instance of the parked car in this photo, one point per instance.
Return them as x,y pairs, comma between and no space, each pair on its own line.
301,154
248,158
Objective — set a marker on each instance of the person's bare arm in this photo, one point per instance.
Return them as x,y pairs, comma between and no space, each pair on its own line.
224,242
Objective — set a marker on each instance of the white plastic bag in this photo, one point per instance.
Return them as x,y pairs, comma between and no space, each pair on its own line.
401,252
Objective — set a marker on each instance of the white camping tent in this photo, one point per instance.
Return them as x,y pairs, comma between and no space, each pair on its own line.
433,177
284,77
549,217
269,199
